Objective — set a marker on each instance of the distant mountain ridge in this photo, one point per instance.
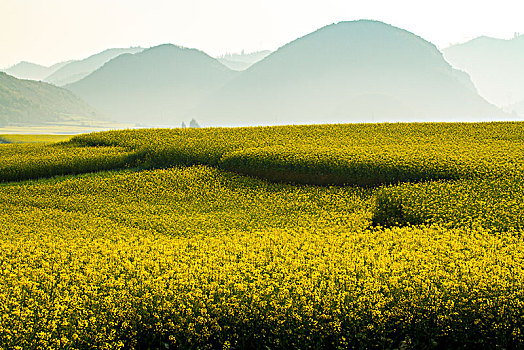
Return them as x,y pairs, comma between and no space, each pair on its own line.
34,102
159,85
78,70
33,71
496,66
360,71
242,61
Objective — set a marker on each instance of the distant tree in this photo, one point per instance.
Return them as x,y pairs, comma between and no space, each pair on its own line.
193,123
184,125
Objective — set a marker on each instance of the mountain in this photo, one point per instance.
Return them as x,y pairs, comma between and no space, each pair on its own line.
32,71
77,70
159,85
348,72
496,66
34,102
242,61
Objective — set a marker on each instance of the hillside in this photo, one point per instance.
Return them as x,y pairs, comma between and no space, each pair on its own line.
159,85
348,72
77,70
32,71
242,61
32,102
495,66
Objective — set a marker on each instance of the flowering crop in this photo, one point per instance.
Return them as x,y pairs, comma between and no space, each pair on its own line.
495,204
363,155
197,257
33,161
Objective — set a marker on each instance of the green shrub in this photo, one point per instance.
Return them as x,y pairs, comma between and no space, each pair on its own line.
389,210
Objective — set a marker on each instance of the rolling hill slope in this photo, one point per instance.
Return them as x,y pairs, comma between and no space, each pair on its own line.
77,70
495,66
348,72
32,71
157,86
32,102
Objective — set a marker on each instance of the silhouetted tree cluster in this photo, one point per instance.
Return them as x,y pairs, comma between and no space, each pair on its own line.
193,123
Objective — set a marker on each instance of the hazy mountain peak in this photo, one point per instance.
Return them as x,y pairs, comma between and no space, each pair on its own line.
33,102
488,43
26,63
158,85
32,71
77,70
171,51
363,38
323,77
169,46
486,38
495,66
345,72
166,48
164,60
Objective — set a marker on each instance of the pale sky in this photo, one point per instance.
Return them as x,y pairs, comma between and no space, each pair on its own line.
50,31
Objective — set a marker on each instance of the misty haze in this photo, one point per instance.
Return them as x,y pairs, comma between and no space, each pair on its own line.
360,71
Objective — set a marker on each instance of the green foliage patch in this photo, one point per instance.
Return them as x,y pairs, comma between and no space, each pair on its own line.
493,204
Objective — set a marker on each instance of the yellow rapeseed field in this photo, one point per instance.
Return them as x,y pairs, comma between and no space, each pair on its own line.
174,252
